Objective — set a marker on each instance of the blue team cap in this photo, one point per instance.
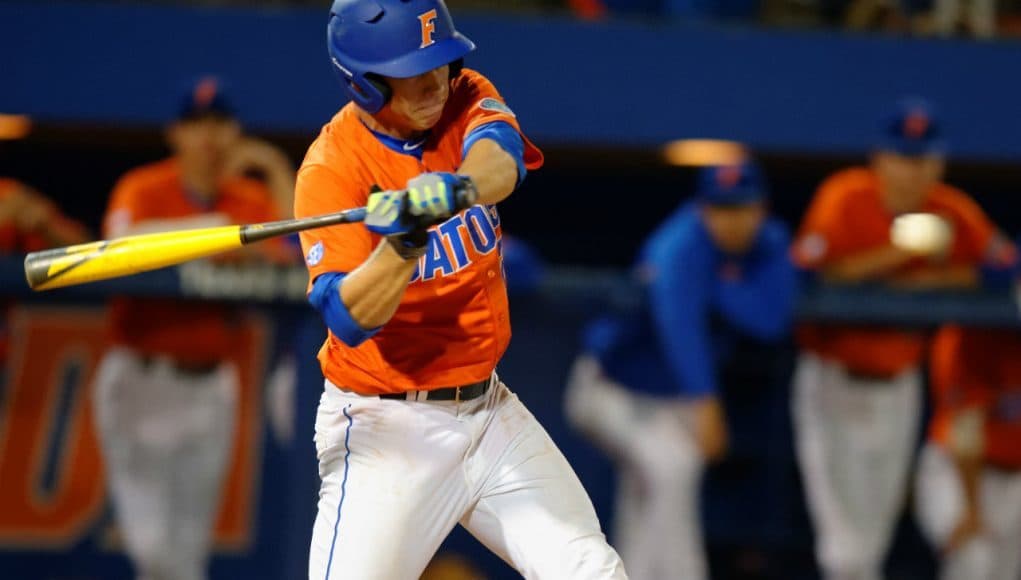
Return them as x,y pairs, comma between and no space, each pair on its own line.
205,98
735,184
912,129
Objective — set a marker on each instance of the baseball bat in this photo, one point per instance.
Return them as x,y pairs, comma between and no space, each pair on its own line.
105,259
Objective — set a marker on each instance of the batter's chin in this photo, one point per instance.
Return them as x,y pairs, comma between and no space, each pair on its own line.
428,117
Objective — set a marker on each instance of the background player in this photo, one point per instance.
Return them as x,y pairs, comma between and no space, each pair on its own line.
969,474
645,388
29,222
165,393
415,432
857,390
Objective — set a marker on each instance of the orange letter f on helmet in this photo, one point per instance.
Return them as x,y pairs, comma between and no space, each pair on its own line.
428,20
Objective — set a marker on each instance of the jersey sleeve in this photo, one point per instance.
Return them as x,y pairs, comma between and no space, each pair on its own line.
483,105
678,301
761,303
977,240
822,237
340,248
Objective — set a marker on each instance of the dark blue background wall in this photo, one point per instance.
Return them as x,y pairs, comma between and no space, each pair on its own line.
630,83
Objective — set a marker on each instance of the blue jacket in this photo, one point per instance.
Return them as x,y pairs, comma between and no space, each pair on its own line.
696,299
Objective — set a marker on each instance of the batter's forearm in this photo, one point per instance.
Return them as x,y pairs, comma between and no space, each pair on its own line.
372,291
492,169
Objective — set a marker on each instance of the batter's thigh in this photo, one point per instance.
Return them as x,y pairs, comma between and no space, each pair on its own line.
393,485
532,510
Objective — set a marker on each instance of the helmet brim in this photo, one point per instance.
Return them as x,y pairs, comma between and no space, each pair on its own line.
422,61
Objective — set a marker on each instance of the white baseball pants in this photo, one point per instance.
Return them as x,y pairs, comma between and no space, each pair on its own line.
995,554
854,442
398,475
165,440
657,524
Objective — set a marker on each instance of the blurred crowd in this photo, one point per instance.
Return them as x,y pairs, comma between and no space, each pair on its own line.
939,18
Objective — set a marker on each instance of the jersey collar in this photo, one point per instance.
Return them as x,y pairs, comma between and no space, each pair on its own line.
413,147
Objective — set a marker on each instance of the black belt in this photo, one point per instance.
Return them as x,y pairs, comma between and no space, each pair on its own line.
462,393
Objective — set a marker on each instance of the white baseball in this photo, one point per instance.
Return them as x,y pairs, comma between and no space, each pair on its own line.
921,233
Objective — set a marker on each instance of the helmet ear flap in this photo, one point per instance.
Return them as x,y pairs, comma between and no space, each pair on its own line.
379,83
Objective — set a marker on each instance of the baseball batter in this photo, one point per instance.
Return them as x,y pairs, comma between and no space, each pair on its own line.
857,390
165,398
645,387
969,474
415,433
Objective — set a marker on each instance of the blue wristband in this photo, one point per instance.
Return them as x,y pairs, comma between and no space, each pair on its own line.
325,297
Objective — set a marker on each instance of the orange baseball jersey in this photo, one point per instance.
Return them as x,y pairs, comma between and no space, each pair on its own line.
847,217
194,333
452,324
979,368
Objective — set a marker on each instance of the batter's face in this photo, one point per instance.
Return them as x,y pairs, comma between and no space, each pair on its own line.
734,228
203,143
417,102
905,182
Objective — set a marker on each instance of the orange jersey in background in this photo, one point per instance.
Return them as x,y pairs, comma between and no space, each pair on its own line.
979,368
190,332
452,324
846,217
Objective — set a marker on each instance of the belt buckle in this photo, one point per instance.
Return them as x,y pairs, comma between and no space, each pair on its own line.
457,394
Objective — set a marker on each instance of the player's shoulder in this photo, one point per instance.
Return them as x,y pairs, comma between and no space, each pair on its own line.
848,182
472,89
948,197
9,186
151,177
471,80
681,232
338,141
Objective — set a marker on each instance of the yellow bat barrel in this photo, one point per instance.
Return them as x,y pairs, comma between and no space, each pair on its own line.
124,256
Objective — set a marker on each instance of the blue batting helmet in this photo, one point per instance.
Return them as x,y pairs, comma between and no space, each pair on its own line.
391,38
